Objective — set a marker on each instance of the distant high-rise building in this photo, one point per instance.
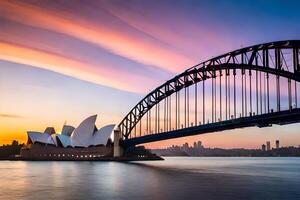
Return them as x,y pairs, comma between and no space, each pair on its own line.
195,145
268,145
277,144
185,145
199,144
263,147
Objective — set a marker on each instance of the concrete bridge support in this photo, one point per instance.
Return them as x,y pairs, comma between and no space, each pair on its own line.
118,150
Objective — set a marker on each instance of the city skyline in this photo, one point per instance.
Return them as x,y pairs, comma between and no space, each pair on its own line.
199,144
68,61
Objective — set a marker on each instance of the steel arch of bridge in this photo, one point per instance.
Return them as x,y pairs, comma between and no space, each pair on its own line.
268,58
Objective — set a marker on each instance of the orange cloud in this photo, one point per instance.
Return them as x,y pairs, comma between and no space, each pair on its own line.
84,71
126,45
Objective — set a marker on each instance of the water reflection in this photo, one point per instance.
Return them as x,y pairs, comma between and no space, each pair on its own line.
174,178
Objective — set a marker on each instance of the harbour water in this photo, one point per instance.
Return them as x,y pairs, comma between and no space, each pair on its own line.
174,178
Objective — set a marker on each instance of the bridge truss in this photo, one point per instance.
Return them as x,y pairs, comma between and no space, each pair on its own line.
246,87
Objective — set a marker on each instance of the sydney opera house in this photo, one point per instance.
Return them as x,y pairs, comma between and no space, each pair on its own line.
85,142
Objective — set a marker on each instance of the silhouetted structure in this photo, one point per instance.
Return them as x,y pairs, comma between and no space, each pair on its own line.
199,144
10,151
180,108
182,151
277,144
268,145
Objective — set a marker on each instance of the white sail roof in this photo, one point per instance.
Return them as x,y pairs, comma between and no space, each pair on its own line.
53,137
40,137
64,140
103,134
83,134
67,130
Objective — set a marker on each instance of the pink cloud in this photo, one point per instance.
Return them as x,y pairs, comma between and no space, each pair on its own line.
104,75
126,45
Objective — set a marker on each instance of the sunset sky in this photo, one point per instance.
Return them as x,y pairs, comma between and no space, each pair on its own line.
62,61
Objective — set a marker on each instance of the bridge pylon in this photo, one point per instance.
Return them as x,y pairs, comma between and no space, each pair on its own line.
118,150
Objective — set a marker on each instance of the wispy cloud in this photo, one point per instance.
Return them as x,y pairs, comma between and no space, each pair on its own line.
5,115
143,41
104,75
127,45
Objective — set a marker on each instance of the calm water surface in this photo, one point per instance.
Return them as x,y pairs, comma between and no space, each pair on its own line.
174,178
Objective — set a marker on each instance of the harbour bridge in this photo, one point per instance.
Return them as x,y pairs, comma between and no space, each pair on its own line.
253,86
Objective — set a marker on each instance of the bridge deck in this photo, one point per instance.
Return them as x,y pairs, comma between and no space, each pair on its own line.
263,120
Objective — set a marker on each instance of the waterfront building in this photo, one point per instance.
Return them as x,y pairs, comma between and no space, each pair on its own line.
277,144
263,147
83,142
268,145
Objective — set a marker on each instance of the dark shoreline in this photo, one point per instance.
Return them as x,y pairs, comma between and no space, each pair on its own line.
128,159
218,152
231,156
119,159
